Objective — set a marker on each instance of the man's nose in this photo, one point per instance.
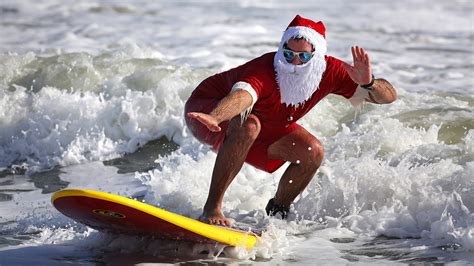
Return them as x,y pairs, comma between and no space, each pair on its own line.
296,61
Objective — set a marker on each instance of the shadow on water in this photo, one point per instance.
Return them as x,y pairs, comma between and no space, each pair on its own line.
49,181
57,255
402,250
163,252
144,158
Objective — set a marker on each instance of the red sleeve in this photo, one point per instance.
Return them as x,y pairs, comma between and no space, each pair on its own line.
259,73
255,82
342,84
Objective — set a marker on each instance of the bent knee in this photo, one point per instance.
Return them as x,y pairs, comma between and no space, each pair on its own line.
315,154
250,128
252,125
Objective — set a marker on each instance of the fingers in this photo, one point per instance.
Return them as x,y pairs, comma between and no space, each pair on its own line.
210,126
354,55
200,117
192,115
360,72
365,56
360,55
205,119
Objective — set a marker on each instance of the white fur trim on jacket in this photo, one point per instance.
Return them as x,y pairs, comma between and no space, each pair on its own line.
241,85
248,88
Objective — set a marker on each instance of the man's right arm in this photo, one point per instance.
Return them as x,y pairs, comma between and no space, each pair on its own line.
230,106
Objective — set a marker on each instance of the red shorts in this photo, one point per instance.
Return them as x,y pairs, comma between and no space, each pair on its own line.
257,156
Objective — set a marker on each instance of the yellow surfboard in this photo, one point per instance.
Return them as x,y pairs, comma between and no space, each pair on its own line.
117,214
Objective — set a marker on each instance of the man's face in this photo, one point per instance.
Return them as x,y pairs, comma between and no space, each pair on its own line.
299,45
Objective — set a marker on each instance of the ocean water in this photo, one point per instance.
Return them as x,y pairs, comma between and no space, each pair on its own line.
92,96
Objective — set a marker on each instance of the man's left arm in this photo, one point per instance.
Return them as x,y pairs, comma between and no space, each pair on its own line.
379,91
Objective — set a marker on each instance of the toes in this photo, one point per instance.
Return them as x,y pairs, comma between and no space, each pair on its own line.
216,221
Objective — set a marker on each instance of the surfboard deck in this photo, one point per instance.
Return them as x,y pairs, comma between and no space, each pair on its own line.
113,213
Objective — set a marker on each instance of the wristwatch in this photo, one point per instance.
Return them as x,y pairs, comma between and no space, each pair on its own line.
369,86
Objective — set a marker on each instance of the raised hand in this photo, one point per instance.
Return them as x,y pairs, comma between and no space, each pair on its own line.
208,120
361,71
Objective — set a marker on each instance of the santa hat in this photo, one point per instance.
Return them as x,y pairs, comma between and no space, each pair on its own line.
313,32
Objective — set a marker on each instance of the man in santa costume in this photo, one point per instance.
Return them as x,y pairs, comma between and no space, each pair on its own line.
249,113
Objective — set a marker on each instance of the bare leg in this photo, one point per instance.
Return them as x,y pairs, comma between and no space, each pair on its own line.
305,153
229,161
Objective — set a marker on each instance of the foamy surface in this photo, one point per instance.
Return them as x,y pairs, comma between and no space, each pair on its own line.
92,96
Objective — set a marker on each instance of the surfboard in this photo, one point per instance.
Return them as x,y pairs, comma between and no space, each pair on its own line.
116,214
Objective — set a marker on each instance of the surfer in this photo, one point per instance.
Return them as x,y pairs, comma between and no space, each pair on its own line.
249,113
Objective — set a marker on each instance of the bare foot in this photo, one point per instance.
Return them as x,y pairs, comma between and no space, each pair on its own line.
215,217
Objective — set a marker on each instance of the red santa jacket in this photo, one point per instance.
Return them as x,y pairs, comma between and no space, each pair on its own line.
275,116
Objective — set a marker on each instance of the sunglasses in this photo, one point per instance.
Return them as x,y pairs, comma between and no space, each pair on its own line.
290,55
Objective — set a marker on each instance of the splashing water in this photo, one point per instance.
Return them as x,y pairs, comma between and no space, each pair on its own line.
92,96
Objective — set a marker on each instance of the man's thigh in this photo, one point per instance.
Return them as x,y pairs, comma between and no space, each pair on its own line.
295,147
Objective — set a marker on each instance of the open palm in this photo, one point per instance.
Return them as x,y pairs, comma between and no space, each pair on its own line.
361,71
209,121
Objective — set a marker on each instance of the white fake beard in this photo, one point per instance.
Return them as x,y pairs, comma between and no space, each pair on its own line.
298,82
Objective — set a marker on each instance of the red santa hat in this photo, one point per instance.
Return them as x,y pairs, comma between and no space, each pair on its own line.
313,32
